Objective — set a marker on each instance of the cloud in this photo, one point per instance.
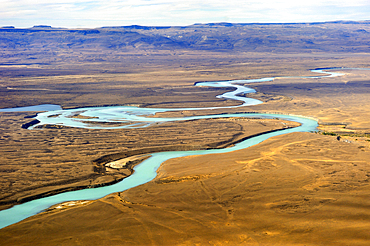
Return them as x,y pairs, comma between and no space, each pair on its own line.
93,13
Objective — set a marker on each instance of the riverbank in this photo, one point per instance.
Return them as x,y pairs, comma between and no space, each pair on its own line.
72,159
147,170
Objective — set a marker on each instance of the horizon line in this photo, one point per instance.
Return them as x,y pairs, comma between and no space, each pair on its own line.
42,26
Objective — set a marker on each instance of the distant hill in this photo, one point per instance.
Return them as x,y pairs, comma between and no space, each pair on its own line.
338,36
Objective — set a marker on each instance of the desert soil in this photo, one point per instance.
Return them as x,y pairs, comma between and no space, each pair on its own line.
295,189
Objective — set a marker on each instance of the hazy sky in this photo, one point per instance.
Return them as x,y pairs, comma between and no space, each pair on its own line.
97,13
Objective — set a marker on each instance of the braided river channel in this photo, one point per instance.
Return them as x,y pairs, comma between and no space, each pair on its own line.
134,117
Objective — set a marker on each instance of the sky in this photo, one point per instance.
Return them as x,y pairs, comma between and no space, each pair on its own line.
98,13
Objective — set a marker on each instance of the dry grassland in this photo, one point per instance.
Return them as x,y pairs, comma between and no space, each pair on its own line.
37,163
296,189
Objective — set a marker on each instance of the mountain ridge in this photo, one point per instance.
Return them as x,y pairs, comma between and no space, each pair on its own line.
43,43
214,24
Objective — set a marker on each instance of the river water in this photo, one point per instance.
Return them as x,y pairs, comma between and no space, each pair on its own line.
135,117
131,117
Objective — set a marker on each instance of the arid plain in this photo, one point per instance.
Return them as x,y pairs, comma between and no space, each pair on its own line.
294,189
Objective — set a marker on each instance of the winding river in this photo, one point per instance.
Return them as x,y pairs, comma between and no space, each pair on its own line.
136,117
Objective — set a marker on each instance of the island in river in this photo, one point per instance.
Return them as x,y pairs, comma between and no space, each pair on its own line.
301,188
